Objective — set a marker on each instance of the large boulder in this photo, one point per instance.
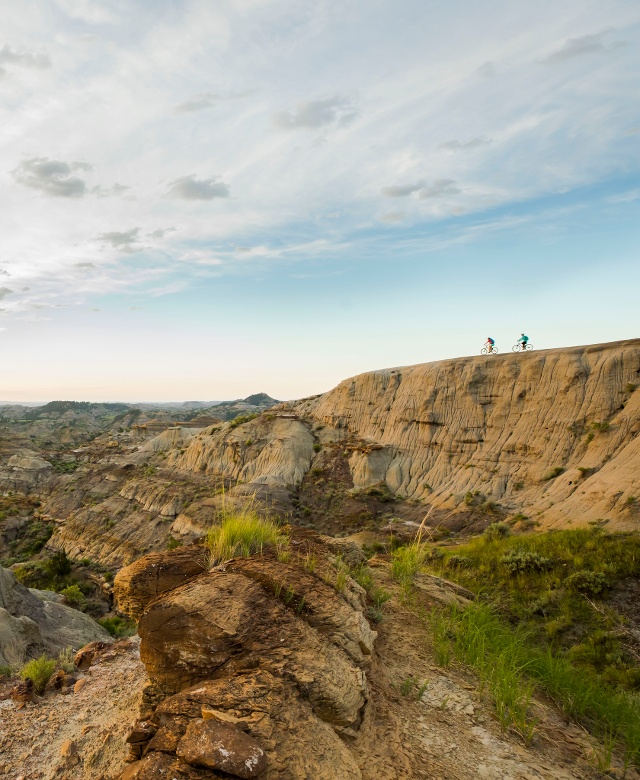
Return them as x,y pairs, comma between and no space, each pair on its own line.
138,584
257,668
30,624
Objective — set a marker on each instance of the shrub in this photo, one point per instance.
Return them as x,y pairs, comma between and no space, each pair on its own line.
555,472
172,543
38,671
5,671
65,660
241,419
458,562
58,565
630,387
242,532
73,596
602,427
118,626
591,583
317,447
521,561
496,531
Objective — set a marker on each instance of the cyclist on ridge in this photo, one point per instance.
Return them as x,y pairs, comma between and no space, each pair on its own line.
524,339
489,344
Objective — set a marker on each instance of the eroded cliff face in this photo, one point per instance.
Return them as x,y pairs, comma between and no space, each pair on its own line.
551,433
555,432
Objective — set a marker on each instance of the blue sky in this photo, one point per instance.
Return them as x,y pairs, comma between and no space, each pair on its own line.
201,201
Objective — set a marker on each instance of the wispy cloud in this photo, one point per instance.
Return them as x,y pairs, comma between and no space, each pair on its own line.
586,44
109,192
424,191
4,291
314,114
124,241
22,59
53,177
204,100
192,188
463,146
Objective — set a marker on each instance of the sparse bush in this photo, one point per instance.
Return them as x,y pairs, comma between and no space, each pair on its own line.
172,543
555,472
602,427
58,565
591,583
73,596
5,671
242,532
518,485
521,561
118,626
241,419
65,660
496,531
39,672
630,387
317,447
458,562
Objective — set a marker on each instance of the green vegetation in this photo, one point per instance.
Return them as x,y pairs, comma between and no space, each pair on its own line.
118,626
65,660
317,447
602,427
172,543
64,466
241,419
73,596
630,387
407,561
5,671
537,625
242,532
555,472
39,672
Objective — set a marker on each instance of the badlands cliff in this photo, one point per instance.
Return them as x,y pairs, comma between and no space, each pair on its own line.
553,433
551,436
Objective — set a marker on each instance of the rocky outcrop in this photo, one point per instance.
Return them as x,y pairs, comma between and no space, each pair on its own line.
30,625
555,433
256,668
138,584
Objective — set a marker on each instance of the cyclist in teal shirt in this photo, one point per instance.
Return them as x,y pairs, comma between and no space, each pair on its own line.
524,340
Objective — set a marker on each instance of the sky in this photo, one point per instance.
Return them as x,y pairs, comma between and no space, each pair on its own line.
199,200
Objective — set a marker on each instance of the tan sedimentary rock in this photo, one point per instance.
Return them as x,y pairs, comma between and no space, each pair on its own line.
501,425
139,583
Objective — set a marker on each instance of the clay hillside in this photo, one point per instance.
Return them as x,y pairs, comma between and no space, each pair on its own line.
428,572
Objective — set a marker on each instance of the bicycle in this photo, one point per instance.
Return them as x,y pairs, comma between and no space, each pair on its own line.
493,350
517,348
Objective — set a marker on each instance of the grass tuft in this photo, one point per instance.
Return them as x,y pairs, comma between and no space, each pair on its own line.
39,671
243,532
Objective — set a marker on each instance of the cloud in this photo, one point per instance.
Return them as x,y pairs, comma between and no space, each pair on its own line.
191,188
402,190
4,273
313,114
209,100
392,217
109,192
487,70
4,291
85,266
459,146
122,240
161,232
423,190
22,59
587,44
53,177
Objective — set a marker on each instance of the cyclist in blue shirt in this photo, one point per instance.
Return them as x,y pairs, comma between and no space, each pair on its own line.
523,339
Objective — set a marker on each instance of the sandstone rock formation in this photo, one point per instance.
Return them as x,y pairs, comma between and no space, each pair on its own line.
257,668
553,433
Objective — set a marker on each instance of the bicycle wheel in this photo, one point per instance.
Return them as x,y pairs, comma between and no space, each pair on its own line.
494,350
483,351
515,348
529,346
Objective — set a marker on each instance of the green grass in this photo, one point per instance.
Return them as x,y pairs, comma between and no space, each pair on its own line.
39,671
118,626
511,667
539,619
243,532
407,561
